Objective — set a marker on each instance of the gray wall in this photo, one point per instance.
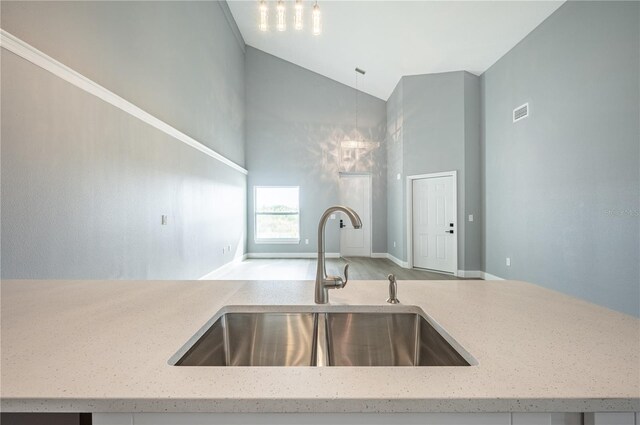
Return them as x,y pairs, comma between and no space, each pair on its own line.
395,166
295,121
472,173
83,183
562,187
438,129
178,60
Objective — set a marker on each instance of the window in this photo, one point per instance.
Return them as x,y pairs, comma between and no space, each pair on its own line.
277,215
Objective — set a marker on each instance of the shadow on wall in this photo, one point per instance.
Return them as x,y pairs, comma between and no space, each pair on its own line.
343,152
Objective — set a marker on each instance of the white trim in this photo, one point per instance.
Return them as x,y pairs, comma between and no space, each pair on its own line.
35,56
348,175
389,257
276,241
471,274
211,274
291,255
398,261
437,271
453,173
409,215
489,276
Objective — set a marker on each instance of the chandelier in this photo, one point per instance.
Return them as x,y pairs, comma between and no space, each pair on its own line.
356,153
281,16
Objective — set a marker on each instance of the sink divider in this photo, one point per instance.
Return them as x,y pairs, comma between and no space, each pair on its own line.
225,337
322,353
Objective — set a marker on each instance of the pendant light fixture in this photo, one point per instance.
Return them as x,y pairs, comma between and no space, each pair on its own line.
361,72
317,25
281,12
297,18
281,16
263,25
355,152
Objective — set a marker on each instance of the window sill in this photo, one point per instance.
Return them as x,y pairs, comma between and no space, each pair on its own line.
277,241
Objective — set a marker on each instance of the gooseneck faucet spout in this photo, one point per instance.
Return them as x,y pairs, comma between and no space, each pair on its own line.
324,282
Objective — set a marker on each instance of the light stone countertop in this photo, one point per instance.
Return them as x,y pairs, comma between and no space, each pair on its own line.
104,346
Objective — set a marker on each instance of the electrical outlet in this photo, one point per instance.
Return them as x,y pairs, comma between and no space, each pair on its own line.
306,241
470,217
508,262
164,220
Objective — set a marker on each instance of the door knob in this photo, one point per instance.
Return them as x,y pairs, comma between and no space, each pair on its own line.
449,231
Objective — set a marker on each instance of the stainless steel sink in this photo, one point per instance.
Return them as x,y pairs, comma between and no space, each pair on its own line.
386,339
256,339
322,336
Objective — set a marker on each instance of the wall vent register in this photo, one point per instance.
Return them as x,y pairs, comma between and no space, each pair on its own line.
521,112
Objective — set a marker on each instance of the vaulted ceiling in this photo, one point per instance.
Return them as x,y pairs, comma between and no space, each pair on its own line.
390,39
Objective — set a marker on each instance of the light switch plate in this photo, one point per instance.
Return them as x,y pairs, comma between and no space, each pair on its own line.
332,217
508,261
470,217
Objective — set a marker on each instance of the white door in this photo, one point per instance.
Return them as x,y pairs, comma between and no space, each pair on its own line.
434,217
355,193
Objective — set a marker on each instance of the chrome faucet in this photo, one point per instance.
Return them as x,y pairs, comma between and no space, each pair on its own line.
393,290
324,282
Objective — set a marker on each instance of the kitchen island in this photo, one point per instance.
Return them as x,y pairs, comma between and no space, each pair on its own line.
104,346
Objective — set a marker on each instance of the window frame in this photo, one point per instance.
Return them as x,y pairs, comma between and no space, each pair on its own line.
292,241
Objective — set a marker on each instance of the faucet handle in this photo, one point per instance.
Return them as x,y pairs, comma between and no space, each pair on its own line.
338,281
346,275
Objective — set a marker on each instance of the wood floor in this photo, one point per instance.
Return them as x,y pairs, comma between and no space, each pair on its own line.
305,269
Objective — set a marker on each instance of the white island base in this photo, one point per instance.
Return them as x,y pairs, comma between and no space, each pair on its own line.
608,418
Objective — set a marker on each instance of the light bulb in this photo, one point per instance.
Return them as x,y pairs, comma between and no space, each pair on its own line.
317,29
264,16
297,22
282,23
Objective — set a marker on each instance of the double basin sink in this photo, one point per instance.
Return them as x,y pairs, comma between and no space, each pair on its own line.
308,336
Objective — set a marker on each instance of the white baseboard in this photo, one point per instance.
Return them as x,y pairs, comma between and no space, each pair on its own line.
236,260
489,276
403,264
470,274
291,255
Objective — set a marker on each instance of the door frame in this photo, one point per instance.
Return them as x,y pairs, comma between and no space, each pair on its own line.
368,175
409,207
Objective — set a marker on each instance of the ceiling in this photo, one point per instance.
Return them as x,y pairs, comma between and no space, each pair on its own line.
390,39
